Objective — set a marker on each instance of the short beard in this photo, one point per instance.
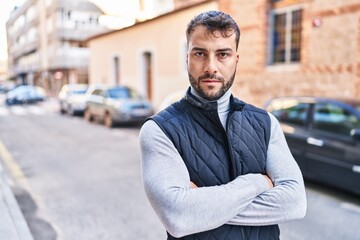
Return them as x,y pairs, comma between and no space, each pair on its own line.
225,87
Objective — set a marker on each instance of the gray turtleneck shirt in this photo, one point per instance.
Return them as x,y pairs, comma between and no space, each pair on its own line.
247,200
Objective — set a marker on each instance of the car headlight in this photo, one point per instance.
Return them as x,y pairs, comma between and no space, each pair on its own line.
116,104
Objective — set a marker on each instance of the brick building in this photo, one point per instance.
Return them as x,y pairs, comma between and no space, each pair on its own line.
287,47
297,47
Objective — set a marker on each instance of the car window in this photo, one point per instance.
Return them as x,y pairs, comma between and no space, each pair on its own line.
98,92
120,93
290,111
333,118
77,92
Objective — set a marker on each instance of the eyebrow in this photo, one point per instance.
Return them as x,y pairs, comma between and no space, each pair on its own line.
219,50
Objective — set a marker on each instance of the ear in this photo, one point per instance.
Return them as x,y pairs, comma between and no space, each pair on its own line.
237,59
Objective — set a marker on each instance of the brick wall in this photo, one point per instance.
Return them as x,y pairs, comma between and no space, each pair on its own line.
330,52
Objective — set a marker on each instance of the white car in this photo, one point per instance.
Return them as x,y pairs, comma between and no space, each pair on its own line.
171,98
72,98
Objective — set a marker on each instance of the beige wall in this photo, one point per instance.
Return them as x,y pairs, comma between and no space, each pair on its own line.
163,37
330,55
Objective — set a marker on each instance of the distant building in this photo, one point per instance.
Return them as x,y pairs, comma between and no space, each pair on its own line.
287,47
46,41
3,71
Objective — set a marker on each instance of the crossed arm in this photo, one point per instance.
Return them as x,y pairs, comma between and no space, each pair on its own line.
247,200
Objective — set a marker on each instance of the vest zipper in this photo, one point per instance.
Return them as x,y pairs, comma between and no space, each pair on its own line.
232,161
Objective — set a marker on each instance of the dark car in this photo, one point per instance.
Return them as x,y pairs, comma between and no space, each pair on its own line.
24,94
324,137
116,104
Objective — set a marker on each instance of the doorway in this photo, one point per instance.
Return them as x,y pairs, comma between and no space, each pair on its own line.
147,60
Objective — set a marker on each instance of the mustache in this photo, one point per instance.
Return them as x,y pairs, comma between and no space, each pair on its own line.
210,76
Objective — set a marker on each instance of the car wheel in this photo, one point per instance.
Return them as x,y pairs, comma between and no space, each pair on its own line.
62,109
87,115
9,102
108,121
70,110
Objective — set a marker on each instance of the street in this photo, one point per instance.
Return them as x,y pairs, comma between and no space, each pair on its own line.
79,180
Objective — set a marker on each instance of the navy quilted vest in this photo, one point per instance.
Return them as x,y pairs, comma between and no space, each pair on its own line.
214,157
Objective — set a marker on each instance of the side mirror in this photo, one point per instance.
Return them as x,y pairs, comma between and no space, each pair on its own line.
355,133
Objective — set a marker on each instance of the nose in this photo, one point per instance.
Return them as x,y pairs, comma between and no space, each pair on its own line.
211,66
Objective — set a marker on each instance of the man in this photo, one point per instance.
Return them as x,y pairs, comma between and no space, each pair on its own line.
215,167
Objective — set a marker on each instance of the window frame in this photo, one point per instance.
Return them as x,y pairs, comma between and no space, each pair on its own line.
271,18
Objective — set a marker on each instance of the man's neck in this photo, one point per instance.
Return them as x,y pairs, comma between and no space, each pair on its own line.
223,104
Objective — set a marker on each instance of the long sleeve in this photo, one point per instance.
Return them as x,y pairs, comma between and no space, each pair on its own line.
183,210
287,199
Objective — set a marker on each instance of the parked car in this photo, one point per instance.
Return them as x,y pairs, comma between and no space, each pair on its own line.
171,98
72,98
116,104
324,137
6,86
25,94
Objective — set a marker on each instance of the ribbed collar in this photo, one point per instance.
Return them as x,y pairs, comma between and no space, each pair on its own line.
222,104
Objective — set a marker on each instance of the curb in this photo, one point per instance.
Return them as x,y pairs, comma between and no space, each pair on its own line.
13,225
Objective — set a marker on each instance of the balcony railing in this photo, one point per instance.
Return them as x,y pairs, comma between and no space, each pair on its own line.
69,58
27,67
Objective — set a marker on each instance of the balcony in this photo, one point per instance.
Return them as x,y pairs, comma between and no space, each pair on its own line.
25,67
78,33
69,57
23,49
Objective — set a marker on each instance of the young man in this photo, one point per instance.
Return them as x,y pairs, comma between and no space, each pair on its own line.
215,167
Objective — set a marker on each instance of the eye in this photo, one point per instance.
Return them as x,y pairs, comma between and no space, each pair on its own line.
223,54
199,54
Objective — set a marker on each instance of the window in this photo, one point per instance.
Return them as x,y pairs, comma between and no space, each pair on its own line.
116,71
285,35
290,111
332,118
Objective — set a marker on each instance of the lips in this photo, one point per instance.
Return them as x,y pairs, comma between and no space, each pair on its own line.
211,80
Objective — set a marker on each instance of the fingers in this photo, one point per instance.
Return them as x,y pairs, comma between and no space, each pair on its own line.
193,185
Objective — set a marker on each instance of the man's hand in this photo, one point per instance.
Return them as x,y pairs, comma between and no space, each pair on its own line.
270,183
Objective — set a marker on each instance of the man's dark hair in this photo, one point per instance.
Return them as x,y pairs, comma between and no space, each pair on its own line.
214,21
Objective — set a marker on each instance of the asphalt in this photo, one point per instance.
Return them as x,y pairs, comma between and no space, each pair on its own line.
12,222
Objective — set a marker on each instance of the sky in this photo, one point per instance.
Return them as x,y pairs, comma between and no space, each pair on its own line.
109,7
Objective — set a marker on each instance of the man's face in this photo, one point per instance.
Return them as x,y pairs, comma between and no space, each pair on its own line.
211,62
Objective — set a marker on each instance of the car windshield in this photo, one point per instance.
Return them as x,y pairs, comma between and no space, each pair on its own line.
122,93
78,92
23,89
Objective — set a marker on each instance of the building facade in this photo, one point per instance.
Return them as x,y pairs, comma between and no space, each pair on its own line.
149,56
46,42
3,70
287,47
297,47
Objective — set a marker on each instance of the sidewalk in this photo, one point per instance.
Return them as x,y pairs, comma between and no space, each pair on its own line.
12,223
